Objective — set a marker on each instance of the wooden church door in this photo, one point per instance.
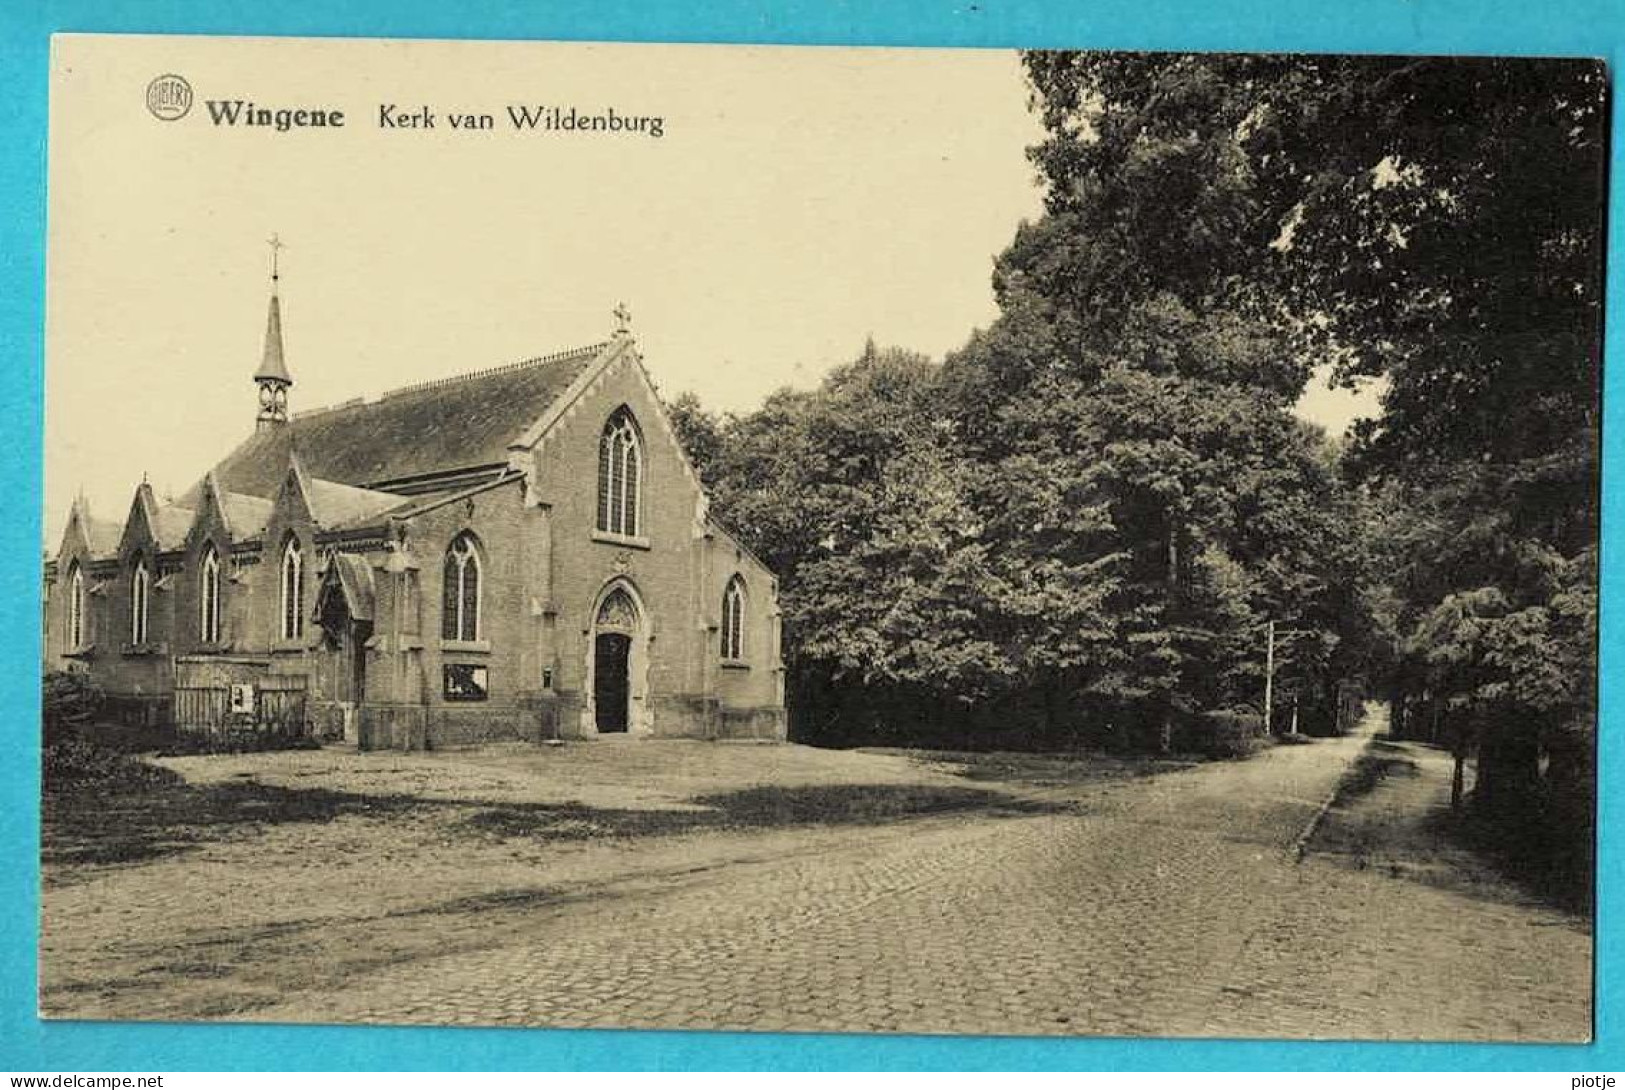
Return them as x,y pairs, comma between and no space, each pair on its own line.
611,684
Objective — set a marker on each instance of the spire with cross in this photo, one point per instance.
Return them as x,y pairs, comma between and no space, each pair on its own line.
273,378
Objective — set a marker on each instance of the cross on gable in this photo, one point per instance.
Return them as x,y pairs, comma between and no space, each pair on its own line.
623,320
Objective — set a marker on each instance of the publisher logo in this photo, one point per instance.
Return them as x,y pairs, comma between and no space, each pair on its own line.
169,98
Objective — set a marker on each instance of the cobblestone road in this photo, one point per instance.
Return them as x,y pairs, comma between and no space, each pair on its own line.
1172,906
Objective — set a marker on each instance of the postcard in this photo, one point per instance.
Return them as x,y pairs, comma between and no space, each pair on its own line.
821,539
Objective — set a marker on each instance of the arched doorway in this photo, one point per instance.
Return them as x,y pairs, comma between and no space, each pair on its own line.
612,682
617,663
344,609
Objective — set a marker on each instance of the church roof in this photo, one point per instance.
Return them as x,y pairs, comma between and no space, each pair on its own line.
333,504
246,514
171,524
417,431
102,535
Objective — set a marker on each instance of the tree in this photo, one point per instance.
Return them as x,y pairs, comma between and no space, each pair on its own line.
856,495
1133,382
700,432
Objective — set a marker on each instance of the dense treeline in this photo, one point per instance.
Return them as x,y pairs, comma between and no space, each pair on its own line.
1077,525
974,559
1436,223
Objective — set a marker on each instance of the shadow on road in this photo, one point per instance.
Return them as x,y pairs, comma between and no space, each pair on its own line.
157,820
84,827
755,808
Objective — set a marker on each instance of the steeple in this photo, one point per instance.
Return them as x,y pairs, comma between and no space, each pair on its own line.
272,378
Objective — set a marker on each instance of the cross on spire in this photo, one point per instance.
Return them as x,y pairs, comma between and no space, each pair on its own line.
623,320
272,379
276,244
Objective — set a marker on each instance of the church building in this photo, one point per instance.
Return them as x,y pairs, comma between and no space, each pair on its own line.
517,553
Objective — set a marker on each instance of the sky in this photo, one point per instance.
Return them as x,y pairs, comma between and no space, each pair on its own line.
798,201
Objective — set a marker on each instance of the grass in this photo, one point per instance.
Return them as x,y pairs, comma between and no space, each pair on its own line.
1379,761
1391,814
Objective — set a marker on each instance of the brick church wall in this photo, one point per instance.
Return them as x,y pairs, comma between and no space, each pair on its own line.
670,569
543,569
501,527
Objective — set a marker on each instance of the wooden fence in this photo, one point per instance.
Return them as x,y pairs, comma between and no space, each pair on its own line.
279,708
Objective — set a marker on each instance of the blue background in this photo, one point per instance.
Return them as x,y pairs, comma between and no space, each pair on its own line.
1585,28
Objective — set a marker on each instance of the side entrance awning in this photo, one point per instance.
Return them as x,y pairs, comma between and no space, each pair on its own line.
347,580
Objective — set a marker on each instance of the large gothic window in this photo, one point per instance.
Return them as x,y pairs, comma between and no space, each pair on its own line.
620,475
733,620
293,590
76,608
140,596
460,591
208,625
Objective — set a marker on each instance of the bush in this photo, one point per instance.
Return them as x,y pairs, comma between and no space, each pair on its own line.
70,702
78,764
1228,734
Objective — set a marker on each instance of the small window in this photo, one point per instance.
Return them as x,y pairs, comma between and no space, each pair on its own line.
293,590
733,620
460,591
620,475
209,597
140,596
76,608
463,681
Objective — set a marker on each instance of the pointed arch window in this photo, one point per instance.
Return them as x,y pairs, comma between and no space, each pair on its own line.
208,625
292,624
733,620
76,608
620,475
140,598
460,590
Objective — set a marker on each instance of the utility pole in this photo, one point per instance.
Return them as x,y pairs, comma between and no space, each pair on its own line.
1269,671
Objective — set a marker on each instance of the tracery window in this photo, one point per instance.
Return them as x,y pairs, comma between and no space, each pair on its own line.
733,620
208,625
140,596
76,608
293,590
620,475
460,591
